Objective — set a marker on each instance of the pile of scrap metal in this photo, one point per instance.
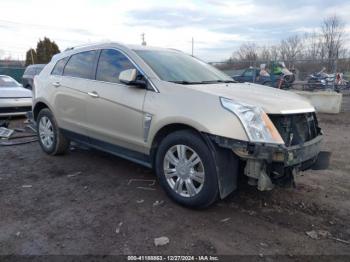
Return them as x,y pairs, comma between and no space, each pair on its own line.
17,136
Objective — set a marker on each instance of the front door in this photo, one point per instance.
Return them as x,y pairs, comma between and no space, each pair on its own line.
114,110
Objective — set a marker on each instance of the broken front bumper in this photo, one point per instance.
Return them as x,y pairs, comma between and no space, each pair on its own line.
289,156
267,164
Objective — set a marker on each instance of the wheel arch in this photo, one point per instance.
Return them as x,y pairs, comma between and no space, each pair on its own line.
227,163
166,130
38,107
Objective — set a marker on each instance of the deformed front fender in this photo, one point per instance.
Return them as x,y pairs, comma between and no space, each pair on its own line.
227,167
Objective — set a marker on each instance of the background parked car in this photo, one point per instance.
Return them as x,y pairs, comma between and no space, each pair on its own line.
322,81
29,73
252,75
277,75
14,99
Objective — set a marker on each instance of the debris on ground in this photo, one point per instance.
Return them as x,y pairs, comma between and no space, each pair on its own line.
318,234
27,186
18,234
117,230
9,135
140,201
146,188
147,184
225,219
150,182
16,143
161,241
20,130
5,132
32,127
340,240
158,203
75,174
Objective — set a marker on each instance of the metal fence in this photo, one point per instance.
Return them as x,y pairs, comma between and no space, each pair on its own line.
14,72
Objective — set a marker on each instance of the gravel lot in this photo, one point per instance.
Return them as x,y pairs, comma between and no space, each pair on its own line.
88,202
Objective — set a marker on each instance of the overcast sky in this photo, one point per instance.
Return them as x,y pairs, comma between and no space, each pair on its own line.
218,26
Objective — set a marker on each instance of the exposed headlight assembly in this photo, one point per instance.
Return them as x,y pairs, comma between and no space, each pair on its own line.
256,123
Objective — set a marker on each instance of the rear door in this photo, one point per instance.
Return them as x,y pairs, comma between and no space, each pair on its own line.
71,92
115,110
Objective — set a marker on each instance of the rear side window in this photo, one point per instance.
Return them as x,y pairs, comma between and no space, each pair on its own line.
81,65
30,70
110,64
39,69
58,69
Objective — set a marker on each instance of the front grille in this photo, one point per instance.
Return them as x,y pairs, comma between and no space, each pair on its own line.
4,110
296,129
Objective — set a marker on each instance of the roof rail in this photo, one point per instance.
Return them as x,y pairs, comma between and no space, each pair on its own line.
87,44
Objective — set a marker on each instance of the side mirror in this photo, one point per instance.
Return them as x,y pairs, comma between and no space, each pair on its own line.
130,77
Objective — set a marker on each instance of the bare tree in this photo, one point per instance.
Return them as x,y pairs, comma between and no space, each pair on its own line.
265,53
274,53
291,48
313,46
332,39
247,52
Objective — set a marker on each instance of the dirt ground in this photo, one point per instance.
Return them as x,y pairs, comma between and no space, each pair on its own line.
88,202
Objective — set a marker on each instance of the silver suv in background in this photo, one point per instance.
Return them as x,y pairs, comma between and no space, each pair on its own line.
29,74
167,110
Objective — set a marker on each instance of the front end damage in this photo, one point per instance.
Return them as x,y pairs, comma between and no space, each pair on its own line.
267,165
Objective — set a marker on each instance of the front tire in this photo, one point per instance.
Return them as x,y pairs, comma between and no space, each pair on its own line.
51,140
186,169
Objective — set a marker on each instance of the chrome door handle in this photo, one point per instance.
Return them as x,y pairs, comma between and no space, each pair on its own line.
93,94
56,84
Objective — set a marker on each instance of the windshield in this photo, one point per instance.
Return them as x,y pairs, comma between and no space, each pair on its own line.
6,81
173,66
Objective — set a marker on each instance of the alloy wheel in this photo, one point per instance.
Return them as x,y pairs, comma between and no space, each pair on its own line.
184,170
46,132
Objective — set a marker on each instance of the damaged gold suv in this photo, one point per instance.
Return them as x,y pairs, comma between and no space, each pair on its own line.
167,110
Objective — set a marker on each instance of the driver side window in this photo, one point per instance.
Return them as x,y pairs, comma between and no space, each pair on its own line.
248,73
110,64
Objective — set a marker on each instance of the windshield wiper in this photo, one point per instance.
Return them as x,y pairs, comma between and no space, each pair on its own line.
218,81
183,82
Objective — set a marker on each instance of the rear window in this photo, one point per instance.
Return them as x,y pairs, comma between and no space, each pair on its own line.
81,65
58,69
6,81
30,71
39,69
34,70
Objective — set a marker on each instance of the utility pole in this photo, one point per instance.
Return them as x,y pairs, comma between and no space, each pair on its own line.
192,45
143,39
31,54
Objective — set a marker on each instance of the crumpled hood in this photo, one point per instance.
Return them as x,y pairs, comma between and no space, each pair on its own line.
14,92
271,100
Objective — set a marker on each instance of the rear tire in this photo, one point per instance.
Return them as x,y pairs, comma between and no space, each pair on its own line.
51,140
186,169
